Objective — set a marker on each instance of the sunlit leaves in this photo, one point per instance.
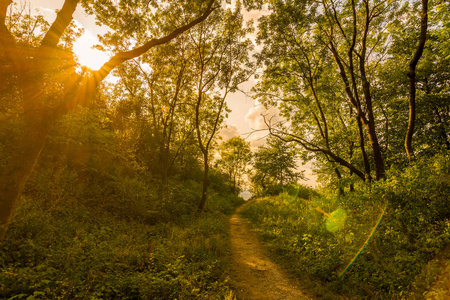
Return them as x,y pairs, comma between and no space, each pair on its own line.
136,22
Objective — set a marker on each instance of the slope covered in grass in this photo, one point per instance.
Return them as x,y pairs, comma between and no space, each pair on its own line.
318,236
77,250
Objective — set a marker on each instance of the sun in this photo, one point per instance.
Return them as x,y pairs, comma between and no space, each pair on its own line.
87,56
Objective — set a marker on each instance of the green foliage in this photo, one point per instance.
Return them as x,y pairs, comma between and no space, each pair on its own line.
330,79
235,155
222,196
76,251
92,225
300,191
317,239
274,167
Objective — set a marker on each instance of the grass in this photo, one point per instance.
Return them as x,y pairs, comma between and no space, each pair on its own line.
75,251
316,237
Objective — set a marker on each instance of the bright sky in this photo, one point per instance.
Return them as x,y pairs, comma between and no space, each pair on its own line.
245,113
87,56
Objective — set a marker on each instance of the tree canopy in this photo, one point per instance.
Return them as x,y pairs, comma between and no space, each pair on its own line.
339,72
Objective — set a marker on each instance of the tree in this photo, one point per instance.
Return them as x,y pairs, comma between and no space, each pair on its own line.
412,79
300,79
274,167
345,34
235,155
46,95
325,65
221,64
155,97
430,93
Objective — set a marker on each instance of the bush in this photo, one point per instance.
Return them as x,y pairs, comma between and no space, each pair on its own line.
414,229
300,191
73,252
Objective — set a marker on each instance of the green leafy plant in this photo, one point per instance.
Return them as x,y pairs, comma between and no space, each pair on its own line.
356,245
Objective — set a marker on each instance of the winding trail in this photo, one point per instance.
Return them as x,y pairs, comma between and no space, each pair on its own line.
254,276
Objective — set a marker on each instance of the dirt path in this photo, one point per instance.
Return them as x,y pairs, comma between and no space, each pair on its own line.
254,276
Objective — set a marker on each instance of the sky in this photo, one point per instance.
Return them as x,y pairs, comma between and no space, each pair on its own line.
245,116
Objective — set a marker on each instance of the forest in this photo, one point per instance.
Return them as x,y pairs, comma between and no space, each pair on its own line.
117,182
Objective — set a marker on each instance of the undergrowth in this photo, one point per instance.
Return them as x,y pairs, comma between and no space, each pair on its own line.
317,237
74,249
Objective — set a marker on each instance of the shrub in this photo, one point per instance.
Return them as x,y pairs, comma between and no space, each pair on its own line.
414,229
73,252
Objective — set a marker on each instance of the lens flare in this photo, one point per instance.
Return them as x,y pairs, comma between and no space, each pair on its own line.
336,220
366,242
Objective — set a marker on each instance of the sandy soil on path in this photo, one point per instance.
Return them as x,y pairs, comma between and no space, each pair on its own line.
253,275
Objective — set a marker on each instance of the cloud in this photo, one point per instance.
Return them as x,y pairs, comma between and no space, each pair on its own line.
45,9
228,132
257,142
48,13
256,114
255,119
310,176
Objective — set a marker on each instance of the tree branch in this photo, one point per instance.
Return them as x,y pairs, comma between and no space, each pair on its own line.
63,19
121,57
4,4
315,148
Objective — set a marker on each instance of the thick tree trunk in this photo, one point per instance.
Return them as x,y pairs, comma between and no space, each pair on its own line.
380,172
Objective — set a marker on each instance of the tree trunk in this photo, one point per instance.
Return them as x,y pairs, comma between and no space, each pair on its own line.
412,80
363,149
339,176
442,126
205,182
370,124
352,187
380,172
